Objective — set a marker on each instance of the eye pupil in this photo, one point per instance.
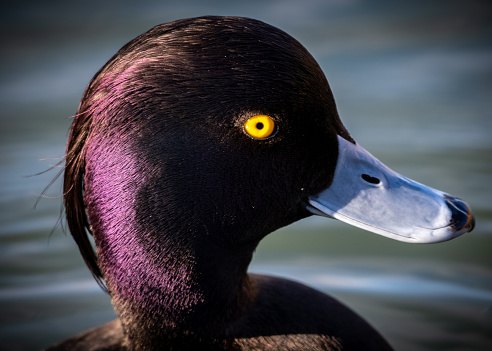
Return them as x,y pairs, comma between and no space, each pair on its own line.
259,126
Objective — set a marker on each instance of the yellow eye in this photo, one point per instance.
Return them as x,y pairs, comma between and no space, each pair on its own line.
260,126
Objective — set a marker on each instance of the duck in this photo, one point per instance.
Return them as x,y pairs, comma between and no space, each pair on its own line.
192,143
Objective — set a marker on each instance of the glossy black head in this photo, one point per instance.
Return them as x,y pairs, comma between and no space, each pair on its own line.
158,154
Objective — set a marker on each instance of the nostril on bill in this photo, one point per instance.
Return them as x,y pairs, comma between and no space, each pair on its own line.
369,179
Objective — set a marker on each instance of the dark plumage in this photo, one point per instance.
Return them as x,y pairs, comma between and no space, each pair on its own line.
177,196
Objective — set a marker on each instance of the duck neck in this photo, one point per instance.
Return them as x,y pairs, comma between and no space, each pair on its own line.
162,293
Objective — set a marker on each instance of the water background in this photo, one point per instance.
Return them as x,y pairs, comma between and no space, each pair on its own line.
413,84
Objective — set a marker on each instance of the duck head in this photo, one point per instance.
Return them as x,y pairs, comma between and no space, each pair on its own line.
200,137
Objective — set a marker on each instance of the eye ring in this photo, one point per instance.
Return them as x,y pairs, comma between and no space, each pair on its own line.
259,126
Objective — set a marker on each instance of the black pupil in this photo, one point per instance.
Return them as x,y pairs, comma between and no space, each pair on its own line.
259,125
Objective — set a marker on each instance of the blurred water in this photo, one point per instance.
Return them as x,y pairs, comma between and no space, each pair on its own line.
413,84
